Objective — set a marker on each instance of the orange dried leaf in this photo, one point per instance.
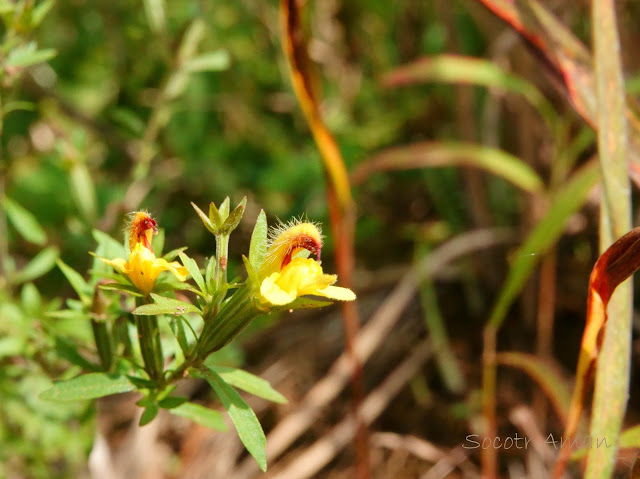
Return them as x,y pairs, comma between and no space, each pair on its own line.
614,266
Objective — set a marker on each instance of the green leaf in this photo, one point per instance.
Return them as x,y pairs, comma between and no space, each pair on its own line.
173,254
30,298
202,415
234,218
149,414
172,401
83,190
248,382
224,209
544,235
88,386
467,70
430,154
548,378
251,273
258,246
27,55
209,62
156,14
18,105
205,219
214,216
157,242
194,270
165,305
70,314
302,303
122,288
24,222
77,282
209,274
242,416
69,351
40,11
178,331
42,263
111,247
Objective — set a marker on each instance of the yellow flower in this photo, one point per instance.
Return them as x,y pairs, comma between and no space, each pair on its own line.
143,268
285,277
302,276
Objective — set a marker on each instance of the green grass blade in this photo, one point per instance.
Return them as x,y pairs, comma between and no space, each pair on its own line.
612,373
543,236
439,154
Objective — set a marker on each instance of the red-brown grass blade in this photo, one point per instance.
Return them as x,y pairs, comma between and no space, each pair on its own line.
568,60
339,199
615,265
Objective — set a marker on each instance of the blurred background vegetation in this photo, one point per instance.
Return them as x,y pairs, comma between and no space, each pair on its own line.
109,106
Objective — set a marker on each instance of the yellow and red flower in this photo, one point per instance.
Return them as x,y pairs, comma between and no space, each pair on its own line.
143,268
285,275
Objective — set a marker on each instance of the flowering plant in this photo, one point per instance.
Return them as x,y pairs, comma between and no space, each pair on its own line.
129,299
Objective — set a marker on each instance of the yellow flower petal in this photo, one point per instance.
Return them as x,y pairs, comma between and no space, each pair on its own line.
117,263
336,292
143,268
176,268
273,293
301,277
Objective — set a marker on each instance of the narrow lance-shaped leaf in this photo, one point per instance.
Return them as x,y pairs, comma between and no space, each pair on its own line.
258,245
88,386
468,70
38,266
242,416
438,154
193,269
546,233
163,305
615,265
248,382
24,222
205,219
202,415
551,382
77,281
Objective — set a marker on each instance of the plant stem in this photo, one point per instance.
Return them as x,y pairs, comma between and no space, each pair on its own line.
222,259
103,343
150,345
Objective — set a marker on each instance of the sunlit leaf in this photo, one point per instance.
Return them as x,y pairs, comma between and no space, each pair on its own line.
88,386
193,269
209,62
258,245
545,233
439,154
467,70
42,263
248,382
24,222
242,416
163,305
77,282
547,377
202,415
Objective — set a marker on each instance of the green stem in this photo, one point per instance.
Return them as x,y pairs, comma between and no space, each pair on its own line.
222,259
103,343
150,345
234,316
